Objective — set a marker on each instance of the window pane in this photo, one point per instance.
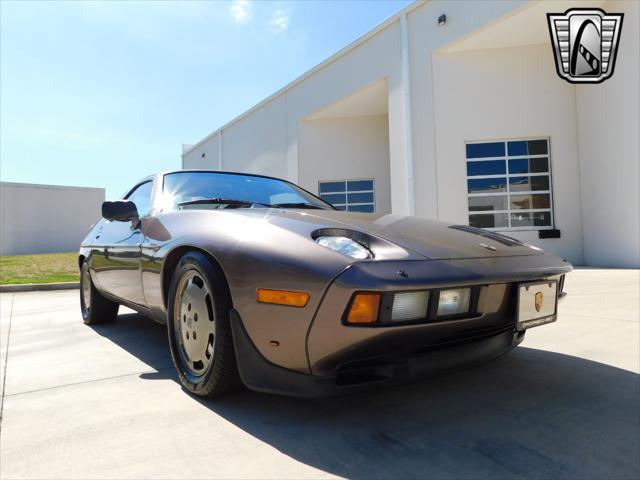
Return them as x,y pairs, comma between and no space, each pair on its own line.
531,219
341,207
517,148
491,167
355,185
331,187
538,147
492,202
519,166
360,198
539,165
141,196
485,150
542,219
529,202
361,208
489,220
526,165
334,198
487,185
524,184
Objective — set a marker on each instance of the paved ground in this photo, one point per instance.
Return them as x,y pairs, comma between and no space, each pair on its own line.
83,402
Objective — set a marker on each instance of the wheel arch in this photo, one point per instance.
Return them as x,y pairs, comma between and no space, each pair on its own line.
171,262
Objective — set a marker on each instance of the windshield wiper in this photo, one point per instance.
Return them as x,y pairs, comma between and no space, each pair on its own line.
297,205
232,202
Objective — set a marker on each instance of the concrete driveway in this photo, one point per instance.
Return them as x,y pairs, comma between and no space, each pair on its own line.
103,402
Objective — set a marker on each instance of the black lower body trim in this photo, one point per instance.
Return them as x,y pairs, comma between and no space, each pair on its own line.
257,373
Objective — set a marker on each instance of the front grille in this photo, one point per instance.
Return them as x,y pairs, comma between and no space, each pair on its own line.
468,335
382,368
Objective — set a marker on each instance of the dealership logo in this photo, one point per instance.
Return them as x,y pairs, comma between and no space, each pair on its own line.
585,43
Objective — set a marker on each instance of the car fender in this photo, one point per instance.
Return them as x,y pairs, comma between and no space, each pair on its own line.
252,253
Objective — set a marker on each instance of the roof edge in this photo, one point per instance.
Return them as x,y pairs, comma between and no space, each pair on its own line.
340,53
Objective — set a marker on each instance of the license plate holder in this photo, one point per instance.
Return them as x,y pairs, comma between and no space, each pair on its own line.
537,303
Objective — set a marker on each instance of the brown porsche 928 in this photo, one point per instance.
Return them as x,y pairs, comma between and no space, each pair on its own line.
262,283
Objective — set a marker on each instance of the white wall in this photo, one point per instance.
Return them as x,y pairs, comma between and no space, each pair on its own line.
501,94
608,133
346,148
210,149
257,143
46,218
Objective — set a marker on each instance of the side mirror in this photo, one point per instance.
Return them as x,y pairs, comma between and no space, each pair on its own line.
120,211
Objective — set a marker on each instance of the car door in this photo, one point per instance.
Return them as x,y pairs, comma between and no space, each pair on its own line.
116,261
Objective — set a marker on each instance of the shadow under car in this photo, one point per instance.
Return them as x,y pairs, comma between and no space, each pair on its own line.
529,414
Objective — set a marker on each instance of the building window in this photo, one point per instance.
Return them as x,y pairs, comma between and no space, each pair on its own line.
509,185
349,195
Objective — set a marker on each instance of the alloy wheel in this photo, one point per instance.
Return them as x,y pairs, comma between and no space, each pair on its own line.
194,323
85,283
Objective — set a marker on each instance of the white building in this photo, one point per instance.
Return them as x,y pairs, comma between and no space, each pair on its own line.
411,105
46,218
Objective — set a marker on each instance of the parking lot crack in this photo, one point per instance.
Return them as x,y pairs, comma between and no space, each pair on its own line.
93,380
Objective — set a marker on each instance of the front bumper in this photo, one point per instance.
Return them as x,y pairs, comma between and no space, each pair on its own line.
332,345
259,374
343,357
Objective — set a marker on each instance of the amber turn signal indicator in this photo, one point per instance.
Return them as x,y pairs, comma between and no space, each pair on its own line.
364,308
282,297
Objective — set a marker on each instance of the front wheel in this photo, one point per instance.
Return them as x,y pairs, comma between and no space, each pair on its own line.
94,307
199,329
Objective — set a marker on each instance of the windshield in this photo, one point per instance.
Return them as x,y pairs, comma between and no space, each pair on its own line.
220,190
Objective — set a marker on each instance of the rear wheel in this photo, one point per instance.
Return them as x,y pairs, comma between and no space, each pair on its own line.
95,308
199,329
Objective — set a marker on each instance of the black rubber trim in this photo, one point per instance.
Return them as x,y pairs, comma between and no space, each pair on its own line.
257,373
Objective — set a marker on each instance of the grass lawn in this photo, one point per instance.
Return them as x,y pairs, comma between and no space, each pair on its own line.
41,268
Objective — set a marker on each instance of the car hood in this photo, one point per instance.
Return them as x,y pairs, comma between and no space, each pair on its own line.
428,238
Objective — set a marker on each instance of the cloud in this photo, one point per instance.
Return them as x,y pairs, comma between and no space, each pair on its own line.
279,21
240,11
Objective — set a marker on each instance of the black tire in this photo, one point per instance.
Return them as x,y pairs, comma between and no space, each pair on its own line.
220,374
94,307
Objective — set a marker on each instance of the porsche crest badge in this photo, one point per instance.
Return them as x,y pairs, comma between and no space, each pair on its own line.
539,299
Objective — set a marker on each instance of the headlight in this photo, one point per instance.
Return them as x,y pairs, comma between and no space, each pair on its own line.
409,306
346,246
454,301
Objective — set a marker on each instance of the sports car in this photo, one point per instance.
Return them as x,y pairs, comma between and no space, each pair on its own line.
261,283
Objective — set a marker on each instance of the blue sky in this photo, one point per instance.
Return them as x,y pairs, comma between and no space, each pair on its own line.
103,93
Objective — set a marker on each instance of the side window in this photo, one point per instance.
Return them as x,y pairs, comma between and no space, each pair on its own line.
141,196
